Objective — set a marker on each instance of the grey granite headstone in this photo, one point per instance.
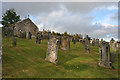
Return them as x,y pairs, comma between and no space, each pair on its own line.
87,44
105,55
39,37
51,55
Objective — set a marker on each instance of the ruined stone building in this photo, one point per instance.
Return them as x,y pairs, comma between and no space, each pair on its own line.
25,26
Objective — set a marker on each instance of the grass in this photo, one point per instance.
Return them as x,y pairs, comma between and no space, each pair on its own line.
27,60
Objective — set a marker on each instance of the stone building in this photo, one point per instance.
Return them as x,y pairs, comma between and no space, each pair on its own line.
65,43
105,55
51,55
25,26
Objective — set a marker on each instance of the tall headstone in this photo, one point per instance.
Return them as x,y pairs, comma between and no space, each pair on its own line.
93,42
65,43
39,37
14,41
51,55
49,35
74,40
111,42
114,46
87,44
105,55
97,42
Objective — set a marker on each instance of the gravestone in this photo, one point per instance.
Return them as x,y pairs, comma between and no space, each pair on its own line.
74,40
114,46
87,44
65,43
93,42
49,35
29,35
112,41
97,42
105,55
39,37
51,55
14,41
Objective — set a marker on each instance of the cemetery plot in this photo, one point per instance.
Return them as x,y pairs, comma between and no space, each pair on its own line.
27,60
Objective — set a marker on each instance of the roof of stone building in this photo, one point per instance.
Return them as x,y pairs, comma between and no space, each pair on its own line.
26,20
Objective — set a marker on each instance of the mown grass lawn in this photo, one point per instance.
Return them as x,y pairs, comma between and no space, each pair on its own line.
27,60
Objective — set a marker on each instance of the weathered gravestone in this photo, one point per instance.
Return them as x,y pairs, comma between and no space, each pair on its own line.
51,55
14,41
74,40
49,35
65,43
106,58
114,46
87,44
29,35
112,41
93,42
97,42
39,37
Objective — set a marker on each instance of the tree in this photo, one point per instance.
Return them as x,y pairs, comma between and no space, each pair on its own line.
9,17
65,34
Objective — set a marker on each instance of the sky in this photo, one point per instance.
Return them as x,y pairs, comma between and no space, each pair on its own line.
96,19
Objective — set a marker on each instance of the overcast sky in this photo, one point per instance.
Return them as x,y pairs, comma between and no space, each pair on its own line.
97,19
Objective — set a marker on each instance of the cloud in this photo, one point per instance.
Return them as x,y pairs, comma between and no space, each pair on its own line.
71,17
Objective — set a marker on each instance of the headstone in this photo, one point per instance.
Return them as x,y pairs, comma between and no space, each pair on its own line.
87,44
29,35
97,42
39,37
74,40
49,35
93,42
14,41
105,55
52,50
114,46
111,42
65,43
